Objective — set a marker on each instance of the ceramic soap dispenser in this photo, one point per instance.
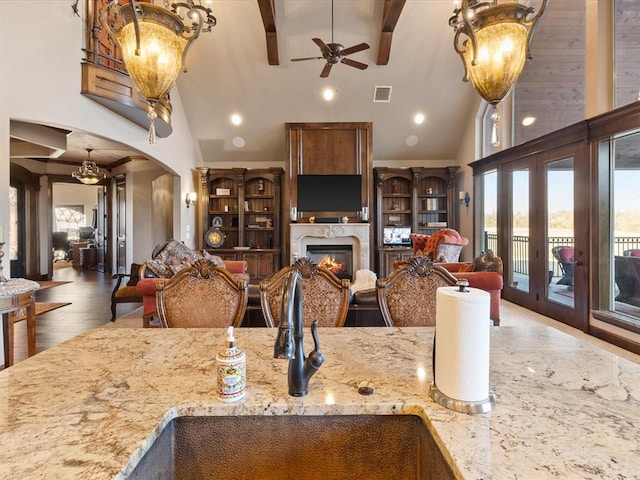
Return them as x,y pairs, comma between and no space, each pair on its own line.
232,371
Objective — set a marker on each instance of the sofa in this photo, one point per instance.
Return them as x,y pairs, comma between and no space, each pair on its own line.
484,272
490,281
168,259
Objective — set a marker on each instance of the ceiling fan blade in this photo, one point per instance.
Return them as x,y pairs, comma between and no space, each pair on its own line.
353,63
306,58
355,48
326,70
322,45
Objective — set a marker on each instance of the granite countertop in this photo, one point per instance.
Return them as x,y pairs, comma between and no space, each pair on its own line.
86,408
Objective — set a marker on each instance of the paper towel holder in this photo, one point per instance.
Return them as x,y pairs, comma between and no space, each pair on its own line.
462,284
462,406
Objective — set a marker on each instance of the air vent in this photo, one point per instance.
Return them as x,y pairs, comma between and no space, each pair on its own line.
382,94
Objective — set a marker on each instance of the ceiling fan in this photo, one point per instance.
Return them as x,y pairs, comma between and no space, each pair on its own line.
335,52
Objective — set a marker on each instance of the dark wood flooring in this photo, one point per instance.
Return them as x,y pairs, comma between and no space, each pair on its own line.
90,297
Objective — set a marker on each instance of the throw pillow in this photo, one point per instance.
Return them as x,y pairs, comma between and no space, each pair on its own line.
175,256
565,254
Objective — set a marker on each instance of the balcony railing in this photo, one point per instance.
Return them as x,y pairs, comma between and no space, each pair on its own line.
520,246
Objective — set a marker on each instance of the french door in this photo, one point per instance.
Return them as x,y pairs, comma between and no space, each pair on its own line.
544,244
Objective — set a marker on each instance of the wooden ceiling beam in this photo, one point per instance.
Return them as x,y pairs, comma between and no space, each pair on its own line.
390,16
268,14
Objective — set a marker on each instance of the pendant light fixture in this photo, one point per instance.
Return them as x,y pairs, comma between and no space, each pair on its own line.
495,46
89,173
155,42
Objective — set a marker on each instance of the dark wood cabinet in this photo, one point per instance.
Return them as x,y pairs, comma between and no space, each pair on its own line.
244,206
418,197
331,148
434,199
260,263
387,256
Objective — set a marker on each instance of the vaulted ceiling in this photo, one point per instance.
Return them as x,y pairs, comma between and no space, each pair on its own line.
243,67
234,69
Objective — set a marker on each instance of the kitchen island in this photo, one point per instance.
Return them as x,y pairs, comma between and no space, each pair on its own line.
90,407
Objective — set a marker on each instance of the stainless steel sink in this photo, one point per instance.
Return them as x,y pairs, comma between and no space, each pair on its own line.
294,447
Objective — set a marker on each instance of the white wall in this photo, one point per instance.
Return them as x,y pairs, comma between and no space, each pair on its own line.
69,194
162,213
41,45
44,79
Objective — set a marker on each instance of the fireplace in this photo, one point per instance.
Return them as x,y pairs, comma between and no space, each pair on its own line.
352,235
337,258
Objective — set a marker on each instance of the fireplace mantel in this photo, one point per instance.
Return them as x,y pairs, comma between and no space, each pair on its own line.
354,234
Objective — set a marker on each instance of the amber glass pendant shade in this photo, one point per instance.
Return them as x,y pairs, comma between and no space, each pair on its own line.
156,66
499,61
493,40
154,43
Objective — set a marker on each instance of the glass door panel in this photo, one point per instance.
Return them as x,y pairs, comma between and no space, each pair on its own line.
560,242
490,212
519,248
625,229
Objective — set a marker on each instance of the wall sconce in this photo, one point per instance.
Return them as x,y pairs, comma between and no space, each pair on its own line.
190,199
464,198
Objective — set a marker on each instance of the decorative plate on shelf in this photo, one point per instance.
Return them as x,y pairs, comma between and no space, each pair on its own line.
216,222
214,238
241,248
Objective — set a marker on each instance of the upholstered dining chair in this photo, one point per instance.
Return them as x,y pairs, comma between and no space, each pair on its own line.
202,295
325,297
407,296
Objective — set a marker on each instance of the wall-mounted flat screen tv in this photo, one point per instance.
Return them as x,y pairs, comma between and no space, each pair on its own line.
329,193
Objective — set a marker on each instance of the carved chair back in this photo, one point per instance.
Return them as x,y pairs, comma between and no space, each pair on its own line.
202,295
325,297
407,296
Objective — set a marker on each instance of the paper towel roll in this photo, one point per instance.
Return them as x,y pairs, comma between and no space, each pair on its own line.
462,343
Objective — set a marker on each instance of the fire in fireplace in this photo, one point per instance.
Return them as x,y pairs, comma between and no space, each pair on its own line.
337,258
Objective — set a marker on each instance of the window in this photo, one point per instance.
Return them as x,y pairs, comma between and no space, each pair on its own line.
490,211
69,218
624,227
13,223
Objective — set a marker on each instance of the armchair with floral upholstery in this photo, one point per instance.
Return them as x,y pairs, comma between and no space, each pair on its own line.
442,246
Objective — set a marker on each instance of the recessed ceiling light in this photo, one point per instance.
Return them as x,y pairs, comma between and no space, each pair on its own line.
526,121
419,118
238,142
236,119
328,94
411,141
